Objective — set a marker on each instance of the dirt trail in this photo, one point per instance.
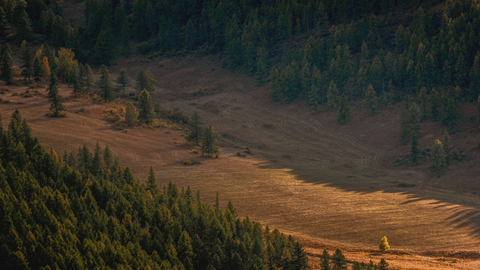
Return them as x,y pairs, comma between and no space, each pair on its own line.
306,176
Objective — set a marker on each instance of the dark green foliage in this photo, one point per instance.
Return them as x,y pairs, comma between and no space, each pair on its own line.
7,70
146,114
88,77
37,69
122,80
299,258
145,81
447,147
3,22
478,109
338,261
105,84
209,142
383,265
24,26
414,151
195,128
438,158
344,112
325,260
56,107
450,108
107,157
104,48
370,99
435,101
410,122
151,181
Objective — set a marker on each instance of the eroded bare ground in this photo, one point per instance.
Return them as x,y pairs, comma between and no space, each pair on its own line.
307,176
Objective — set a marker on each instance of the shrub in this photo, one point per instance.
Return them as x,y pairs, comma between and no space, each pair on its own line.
192,161
119,125
455,154
195,151
239,154
144,48
247,151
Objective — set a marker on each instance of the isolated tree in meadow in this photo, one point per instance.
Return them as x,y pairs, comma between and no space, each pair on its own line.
384,244
332,96
27,59
145,81
107,157
370,99
325,260
414,151
195,128
56,106
209,142
447,147
383,265
7,70
438,158
338,261
105,84
131,115
122,80
146,114
37,69
45,67
344,112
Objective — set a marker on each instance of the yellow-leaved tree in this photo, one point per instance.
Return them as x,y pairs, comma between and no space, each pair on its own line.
384,244
65,62
45,67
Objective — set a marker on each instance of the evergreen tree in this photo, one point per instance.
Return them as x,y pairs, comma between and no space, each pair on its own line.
370,99
338,261
126,38
3,22
27,59
344,110
105,84
7,70
56,106
435,100
383,265
97,162
332,96
475,76
195,128
299,257
384,244
146,114
122,80
131,115
75,80
438,158
410,122
447,147
325,260
478,109
104,48
414,151
107,157
209,142
450,109
152,181
24,27
89,77
145,81
422,96
37,69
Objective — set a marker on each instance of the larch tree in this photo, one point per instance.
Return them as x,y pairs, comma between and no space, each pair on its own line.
344,112
64,63
45,67
56,107
209,142
145,81
146,114
195,128
370,99
7,70
438,158
384,246
131,115
27,59
123,81
105,84
37,69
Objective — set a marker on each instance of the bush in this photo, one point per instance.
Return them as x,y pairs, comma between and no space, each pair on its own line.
192,161
247,151
455,154
195,151
144,48
119,125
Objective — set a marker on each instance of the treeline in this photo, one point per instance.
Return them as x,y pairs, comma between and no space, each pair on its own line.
85,211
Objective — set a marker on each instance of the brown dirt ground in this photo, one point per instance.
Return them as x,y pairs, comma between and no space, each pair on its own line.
327,184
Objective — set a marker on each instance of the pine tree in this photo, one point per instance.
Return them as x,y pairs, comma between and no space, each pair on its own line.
75,80
325,260
383,265
438,158
3,22
103,48
24,27
97,162
447,147
145,81
89,77
410,122
414,151
45,67
422,96
7,70
146,114
195,128
435,100
332,96
478,109
57,106
37,69
475,76
370,99
209,142
344,110
338,261
126,38
107,157
384,244
122,80
152,181
131,115
27,59
450,109
105,84
299,257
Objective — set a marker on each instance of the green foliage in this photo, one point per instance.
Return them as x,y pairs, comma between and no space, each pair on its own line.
435,100
332,96
105,84
447,147
56,107
3,22
325,260
344,112
450,108
209,142
146,114
384,246
370,99
414,151
145,81
123,80
27,59
37,69
7,71
478,109
410,122
131,115
88,77
438,158
24,26
195,128
151,181
338,261
383,265
107,157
